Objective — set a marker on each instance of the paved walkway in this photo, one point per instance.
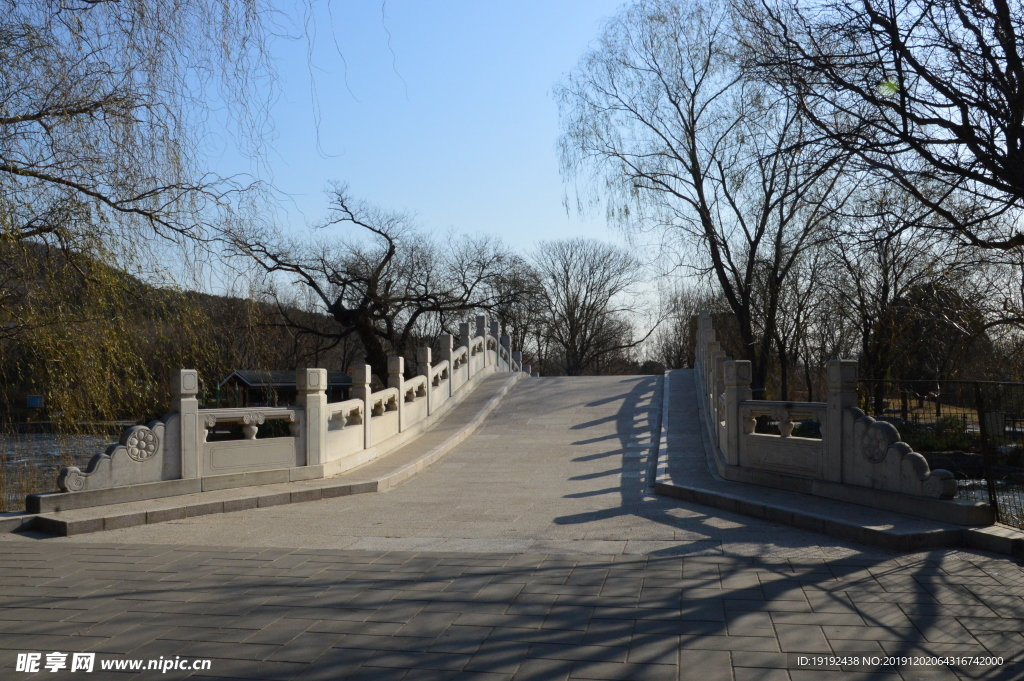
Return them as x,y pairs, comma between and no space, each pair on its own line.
531,551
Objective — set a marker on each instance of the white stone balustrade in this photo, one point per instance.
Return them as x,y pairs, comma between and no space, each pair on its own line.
854,450
322,438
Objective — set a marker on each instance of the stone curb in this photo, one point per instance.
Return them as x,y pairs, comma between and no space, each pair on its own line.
998,539
238,499
895,541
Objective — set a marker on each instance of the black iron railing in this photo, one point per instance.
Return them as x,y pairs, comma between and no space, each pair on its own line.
975,429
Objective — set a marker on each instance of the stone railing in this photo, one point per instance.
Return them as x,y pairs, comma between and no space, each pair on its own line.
321,438
854,451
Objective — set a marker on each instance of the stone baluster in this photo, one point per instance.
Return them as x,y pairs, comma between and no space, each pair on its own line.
528,369
361,378
506,342
396,379
445,341
517,358
708,369
423,362
311,385
718,359
192,433
738,374
495,332
842,393
464,342
481,332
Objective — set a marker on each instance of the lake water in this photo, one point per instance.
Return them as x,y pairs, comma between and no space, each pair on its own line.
31,461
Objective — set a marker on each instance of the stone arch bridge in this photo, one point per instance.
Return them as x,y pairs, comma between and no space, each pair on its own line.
479,522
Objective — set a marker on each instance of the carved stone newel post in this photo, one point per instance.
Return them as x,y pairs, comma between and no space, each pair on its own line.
738,374
842,393
185,387
311,385
361,377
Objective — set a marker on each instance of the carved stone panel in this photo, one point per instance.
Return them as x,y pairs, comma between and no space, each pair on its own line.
877,458
137,458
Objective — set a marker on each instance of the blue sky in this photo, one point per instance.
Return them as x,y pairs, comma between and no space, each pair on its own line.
450,116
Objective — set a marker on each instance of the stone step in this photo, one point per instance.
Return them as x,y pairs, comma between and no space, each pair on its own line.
686,471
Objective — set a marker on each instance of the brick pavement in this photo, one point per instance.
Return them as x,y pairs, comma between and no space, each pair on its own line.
568,569
340,614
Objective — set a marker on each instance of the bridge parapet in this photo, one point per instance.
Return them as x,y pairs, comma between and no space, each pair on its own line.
828,448
318,438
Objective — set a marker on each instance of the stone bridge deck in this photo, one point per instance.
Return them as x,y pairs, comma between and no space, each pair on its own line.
533,550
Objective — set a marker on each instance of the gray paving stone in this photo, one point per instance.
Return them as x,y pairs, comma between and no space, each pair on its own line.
458,639
801,638
273,592
751,674
333,664
305,647
614,671
418,660
373,642
657,649
753,643
536,669
250,669
498,656
561,636
704,665
749,623
280,631
762,660
557,651
377,674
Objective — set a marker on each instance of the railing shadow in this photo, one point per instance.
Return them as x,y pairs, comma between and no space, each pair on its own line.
279,613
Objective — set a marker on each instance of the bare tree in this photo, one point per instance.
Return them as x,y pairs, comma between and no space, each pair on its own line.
384,285
584,283
522,312
799,300
664,120
927,93
881,254
672,345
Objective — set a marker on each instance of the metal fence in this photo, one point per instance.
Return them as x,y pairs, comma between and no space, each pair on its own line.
975,429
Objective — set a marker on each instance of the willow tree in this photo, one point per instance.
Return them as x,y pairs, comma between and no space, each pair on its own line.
662,121
105,113
104,106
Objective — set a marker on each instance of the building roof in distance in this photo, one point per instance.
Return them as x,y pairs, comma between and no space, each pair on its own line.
260,378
